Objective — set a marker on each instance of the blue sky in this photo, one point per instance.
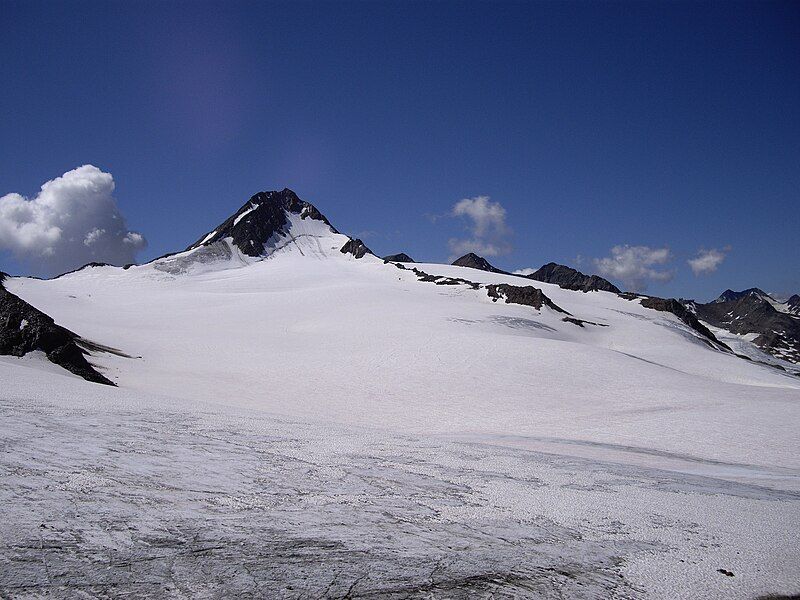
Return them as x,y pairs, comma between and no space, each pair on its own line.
591,125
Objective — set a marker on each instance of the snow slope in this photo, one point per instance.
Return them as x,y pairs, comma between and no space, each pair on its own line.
310,332
110,492
305,423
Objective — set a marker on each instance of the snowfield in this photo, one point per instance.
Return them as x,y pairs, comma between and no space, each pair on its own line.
312,425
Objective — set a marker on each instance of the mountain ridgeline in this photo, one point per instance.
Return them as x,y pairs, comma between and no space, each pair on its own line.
402,257
276,223
560,275
776,325
473,261
571,279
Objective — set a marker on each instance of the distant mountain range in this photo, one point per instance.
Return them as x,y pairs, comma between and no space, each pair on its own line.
771,325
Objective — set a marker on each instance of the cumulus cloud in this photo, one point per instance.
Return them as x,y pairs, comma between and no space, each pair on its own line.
486,223
707,261
525,271
73,220
635,265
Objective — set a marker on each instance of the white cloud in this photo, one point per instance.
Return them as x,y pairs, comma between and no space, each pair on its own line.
525,271
707,261
135,239
73,220
93,236
489,233
634,265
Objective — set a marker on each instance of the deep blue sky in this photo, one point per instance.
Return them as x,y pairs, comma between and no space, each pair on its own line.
593,125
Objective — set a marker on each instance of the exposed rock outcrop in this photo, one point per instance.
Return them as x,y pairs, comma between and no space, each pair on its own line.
24,329
356,247
571,279
730,295
793,305
261,220
684,314
752,311
474,261
401,258
526,295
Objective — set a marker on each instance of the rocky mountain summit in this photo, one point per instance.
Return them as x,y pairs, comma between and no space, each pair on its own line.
261,221
473,261
774,326
571,279
560,275
402,257
731,296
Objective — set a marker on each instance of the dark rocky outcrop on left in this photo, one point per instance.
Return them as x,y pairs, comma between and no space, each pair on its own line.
473,261
355,247
571,279
401,258
24,329
526,295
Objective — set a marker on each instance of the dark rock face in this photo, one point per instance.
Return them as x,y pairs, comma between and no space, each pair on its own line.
526,295
570,279
254,225
779,332
356,247
730,295
24,329
90,265
401,258
793,305
679,310
581,322
438,279
474,261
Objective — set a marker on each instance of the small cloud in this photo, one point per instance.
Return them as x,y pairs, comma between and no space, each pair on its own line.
707,261
134,239
459,247
526,271
634,265
93,236
486,224
73,220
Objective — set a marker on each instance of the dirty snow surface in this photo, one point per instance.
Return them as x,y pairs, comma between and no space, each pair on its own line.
315,426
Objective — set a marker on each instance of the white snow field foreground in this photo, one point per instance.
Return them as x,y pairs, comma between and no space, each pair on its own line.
312,425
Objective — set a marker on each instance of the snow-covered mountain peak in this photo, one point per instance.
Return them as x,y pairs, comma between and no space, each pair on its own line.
266,218
269,223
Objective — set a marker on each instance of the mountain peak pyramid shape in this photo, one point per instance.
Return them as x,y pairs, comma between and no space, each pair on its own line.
261,220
